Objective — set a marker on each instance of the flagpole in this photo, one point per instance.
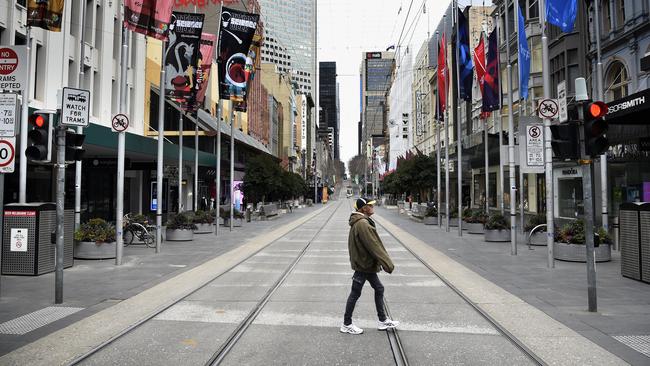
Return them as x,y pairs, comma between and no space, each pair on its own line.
217,195
600,94
181,129
161,141
119,247
232,162
521,113
459,144
487,136
444,17
77,174
511,142
438,160
196,147
548,152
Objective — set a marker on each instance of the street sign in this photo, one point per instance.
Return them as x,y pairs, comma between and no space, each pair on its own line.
561,99
531,148
7,154
13,67
548,108
8,115
120,122
75,107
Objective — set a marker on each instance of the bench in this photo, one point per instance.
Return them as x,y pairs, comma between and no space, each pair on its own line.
268,211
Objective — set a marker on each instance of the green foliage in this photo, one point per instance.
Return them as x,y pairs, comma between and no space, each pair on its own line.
497,221
224,213
180,221
97,230
467,213
140,219
431,211
453,213
574,233
414,176
202,217
478,216
265,180
538,219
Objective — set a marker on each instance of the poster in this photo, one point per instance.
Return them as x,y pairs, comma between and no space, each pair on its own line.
148,17
18,240
182,54
202,75
234,59
46,14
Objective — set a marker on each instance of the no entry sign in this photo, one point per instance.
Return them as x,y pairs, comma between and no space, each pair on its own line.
13,67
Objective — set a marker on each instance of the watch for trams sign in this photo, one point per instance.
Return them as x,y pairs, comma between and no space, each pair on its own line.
13,67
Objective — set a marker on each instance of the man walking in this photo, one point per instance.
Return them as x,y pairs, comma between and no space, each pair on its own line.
367,257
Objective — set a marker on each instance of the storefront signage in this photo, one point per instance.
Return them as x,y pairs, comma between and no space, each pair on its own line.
370,55
531,145
8,115
570,171
631,104
18,240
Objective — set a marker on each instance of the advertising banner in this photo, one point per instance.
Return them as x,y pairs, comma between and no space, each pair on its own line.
235,37
252,63
46,14
148,17
202,75
182,54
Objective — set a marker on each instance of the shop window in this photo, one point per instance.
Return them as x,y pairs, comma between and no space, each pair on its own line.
570,202
617,82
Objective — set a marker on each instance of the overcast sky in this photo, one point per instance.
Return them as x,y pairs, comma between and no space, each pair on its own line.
346,28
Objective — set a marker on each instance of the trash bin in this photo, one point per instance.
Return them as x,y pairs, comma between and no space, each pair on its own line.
634,231
28,247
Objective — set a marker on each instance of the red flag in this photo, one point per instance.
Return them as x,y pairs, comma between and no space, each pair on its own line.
442,75
479,61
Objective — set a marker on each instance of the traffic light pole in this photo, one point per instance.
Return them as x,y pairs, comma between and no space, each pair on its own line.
60,213
22,180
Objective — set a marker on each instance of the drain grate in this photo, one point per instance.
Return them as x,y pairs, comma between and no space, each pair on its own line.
36,319
639,343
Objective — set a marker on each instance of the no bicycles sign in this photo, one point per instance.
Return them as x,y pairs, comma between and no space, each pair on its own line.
548,108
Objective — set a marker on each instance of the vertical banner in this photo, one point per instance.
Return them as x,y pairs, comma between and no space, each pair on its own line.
148,17
182,54
202,74
252,64
465,58
491,87
524,56
442,78
46,14
235,37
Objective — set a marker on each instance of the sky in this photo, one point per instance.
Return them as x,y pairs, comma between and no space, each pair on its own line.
347,28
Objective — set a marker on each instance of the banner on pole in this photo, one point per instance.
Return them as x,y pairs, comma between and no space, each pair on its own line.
182,54
46,14
465,58
235,37
491,87
202,74
148,17
252,64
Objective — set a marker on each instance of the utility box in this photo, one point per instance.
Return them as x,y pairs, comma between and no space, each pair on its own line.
28,247
634,224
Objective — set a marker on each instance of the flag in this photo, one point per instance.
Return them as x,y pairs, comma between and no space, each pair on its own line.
202,74
491,86
442,78
479,61
148,17
235,37
182,54
46,14
524,57
562,13
465,58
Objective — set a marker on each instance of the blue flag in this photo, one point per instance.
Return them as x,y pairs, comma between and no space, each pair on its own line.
491,86
524,57
465,59
562,13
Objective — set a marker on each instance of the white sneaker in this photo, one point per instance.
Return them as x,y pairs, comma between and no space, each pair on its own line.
387,324
352,329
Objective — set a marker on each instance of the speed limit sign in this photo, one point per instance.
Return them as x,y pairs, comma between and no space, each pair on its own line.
7,154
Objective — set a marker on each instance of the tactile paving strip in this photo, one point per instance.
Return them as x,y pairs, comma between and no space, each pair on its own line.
36,319
639,343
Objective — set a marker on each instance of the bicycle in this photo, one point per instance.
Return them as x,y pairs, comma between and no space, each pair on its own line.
133,230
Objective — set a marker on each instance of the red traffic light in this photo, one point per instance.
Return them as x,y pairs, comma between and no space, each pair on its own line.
597,109
37,120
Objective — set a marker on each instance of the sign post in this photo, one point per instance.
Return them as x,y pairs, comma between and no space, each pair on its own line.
561,101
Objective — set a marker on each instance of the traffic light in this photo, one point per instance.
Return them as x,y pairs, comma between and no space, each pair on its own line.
564,137
595,128
39,137
73,149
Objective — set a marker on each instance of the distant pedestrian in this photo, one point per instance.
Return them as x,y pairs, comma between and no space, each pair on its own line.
367,257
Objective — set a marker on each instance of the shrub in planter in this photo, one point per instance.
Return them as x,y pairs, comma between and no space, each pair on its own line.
203,220
95,239
467,213
140,219
180,221
431,211
574,233
224,213
475,221
570,240
539,236
497,228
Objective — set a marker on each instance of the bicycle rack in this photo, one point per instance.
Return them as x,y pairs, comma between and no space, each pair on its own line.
530,234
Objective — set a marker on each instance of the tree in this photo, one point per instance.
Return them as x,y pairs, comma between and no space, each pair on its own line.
357,166
262,179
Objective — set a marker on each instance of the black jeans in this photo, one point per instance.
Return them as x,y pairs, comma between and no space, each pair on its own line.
358,280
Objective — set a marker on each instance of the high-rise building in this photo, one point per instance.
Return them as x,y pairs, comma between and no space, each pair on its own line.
328,91
291,24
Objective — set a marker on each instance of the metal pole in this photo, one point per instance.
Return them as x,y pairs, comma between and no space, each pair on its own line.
196,166
180,163
120,153
161,144
22,184
77,174
487,168
438,160
459,139
2,205
511,143
232,163
604,186
501,172
315,179
444,17
60,213
217,176
548,152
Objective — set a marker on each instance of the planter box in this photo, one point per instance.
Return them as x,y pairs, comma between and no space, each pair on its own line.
497,235
203,229
235,223
453,222
474,228
430,220
538,238
578,253
90,250
179,235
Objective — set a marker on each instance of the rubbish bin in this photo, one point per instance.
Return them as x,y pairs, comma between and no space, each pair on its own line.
27,245
634,231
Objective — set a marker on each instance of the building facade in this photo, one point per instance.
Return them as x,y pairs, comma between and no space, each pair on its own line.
328,99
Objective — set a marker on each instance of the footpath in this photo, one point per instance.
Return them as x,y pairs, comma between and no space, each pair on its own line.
622,323
27,309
